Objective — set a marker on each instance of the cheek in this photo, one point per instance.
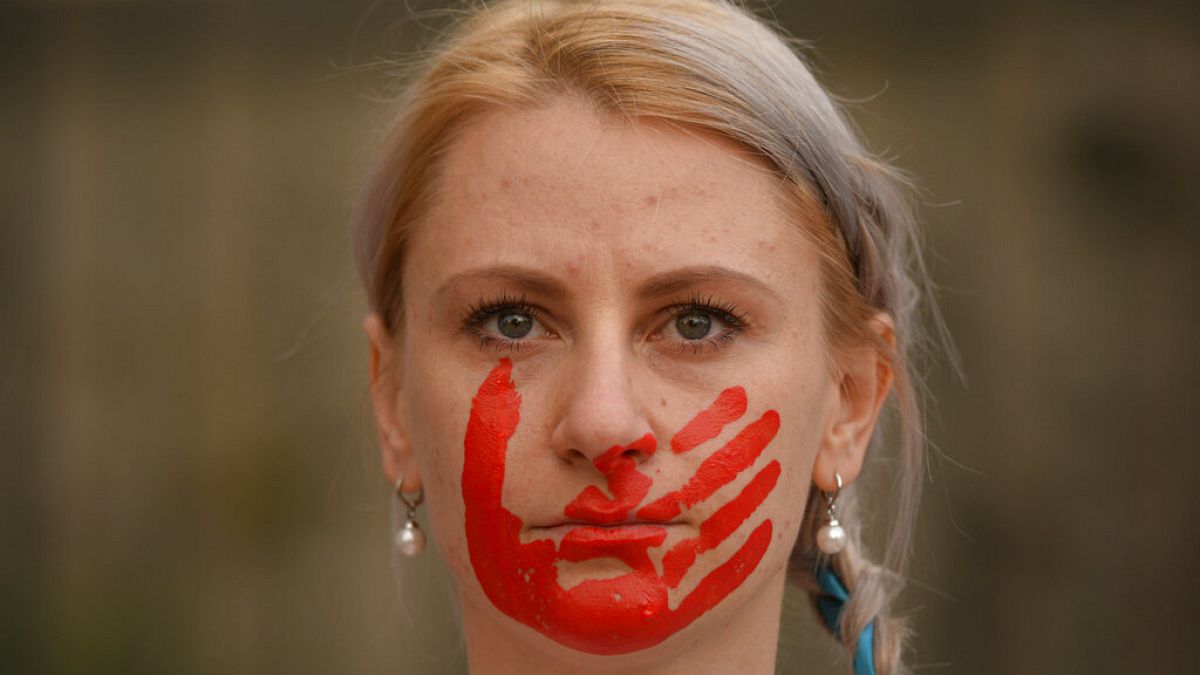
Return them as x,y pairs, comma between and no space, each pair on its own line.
437,414
796,451
535,485
804,414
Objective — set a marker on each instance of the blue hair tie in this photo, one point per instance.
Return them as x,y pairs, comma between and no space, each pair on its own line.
833,597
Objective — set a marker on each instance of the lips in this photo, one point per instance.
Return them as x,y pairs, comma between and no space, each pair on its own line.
628,543
598,532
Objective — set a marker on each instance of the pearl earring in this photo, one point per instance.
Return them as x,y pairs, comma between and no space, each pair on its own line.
831,538
410,540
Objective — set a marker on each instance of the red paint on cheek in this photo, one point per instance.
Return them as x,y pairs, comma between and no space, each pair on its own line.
629,612
718,469
720,525
729,406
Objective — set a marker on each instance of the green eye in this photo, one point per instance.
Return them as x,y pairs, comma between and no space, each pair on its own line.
693,326
514,325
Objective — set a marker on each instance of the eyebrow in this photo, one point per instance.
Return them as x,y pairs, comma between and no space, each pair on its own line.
674,281
665,283
524,278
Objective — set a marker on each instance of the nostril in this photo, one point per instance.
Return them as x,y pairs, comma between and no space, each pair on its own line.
573,455
644,446
636,452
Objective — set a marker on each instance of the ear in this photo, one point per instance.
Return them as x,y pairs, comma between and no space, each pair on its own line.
386,398
866,379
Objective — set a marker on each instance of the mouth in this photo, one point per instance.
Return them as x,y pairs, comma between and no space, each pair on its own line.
599,533
628,542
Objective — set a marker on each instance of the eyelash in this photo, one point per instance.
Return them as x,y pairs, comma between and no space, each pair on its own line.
478,313
725,312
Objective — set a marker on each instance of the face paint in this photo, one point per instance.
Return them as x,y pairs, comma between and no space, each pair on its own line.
629,612
628,486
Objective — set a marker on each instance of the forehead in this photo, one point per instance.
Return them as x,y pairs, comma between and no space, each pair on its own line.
564,189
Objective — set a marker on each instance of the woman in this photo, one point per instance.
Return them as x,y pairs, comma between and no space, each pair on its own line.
638,297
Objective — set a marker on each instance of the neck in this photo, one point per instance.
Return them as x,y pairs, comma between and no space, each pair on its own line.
742,641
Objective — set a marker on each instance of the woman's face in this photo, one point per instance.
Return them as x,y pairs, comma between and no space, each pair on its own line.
611,376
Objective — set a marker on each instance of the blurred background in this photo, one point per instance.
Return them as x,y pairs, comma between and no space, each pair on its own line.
189,481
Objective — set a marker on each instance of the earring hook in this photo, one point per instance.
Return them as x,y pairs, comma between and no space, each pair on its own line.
412,506
837,492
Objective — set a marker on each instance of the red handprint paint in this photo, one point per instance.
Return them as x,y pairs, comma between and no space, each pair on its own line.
629,612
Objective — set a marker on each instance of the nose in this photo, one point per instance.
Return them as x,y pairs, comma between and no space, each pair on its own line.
601,409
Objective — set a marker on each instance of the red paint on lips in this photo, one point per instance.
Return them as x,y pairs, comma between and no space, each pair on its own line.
627,543
602,616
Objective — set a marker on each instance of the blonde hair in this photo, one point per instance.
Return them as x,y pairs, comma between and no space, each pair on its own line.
714,66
